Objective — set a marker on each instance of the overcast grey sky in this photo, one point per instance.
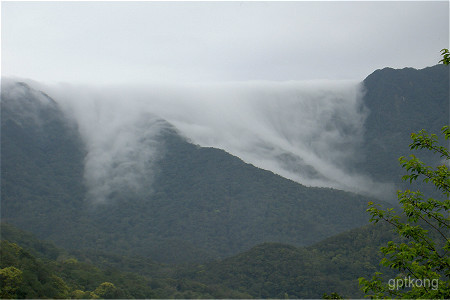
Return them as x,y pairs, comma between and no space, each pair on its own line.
111,42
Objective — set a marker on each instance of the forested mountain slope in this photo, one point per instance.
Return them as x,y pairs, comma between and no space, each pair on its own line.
32,269
274,270
401,102
203,203
269,270
42,155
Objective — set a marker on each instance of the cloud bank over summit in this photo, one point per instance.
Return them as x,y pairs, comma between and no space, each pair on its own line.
307,131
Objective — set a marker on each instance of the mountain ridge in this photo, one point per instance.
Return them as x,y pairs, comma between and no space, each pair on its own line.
199,201
203,203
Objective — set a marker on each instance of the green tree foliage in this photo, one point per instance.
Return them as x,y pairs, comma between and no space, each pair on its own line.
25,276
423,256
40,270
10,279
445,56
107,290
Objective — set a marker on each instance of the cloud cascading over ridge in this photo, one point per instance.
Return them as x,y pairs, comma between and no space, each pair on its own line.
307,131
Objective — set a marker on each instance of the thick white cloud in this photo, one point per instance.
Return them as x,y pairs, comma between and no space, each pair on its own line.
99,42
307,131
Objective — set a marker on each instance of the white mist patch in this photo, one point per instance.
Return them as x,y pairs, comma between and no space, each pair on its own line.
309,132
121,142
